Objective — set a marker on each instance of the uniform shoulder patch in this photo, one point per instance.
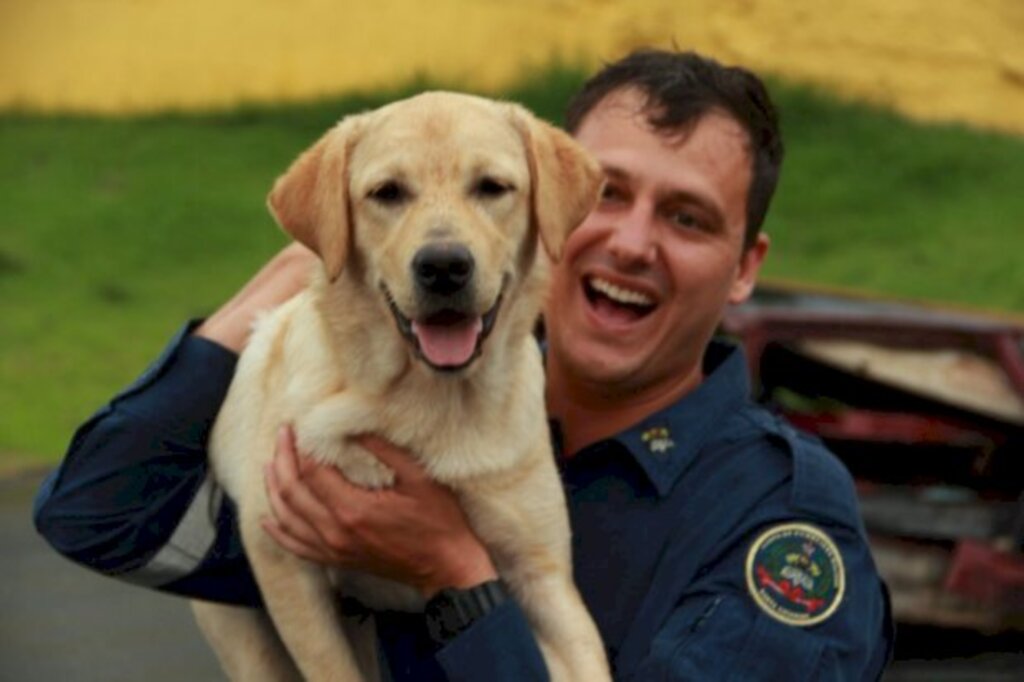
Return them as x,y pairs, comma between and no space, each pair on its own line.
795,574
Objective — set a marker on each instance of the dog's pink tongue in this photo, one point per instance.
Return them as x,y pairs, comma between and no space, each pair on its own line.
448,345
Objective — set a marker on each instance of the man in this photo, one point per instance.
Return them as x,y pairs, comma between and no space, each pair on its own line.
711,541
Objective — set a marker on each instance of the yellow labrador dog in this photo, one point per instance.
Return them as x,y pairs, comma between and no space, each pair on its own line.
428,215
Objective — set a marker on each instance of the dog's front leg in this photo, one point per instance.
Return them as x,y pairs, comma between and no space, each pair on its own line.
245,642
567,636
526,526
301,603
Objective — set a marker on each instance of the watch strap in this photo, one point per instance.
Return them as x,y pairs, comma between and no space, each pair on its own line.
452,610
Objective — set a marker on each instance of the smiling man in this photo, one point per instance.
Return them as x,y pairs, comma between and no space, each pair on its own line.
711,541
647,276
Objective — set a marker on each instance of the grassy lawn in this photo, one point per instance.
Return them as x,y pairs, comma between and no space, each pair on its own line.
871,201
115,231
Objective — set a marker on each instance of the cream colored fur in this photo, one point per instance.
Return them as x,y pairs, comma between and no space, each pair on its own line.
333,362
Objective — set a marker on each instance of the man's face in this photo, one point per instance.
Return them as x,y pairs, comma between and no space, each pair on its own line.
644,280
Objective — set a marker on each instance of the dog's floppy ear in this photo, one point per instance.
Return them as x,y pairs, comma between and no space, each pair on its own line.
566,179
310,201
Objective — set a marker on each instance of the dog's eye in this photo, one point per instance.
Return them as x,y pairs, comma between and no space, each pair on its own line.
490,188
389,193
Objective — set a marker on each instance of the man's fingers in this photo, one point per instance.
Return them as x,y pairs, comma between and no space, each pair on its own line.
294,502
285,516
286,457
291,470
335,492
293,545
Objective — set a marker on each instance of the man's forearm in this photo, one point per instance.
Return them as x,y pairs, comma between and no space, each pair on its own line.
280,279
134,470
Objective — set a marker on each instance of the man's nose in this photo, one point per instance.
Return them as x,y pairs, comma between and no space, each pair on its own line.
632,237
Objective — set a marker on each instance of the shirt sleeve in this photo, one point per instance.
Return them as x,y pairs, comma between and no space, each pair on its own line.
499,647
133,498
719,630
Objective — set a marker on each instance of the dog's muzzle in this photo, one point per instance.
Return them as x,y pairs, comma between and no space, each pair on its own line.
449,333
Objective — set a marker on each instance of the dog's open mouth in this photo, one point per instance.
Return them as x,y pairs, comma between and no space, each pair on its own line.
447,340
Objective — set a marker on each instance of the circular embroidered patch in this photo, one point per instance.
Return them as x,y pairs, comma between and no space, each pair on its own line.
795,574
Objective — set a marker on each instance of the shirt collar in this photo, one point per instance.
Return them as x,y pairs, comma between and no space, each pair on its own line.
665,443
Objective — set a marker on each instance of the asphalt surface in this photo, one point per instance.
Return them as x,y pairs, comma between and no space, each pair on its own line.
61,623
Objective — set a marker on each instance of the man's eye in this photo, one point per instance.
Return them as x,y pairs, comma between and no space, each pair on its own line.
685,219
611,193
389,193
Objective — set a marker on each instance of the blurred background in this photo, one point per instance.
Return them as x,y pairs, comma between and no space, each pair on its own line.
138,139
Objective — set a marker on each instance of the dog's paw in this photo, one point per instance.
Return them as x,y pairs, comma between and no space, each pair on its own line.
359,466
366,471
325,448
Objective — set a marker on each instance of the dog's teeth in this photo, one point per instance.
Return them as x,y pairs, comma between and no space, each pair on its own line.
620,295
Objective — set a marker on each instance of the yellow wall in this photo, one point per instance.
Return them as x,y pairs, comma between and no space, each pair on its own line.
932,59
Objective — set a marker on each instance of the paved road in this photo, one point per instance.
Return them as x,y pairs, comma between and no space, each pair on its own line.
61,623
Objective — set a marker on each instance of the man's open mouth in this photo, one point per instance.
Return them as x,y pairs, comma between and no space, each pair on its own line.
447,340
616,303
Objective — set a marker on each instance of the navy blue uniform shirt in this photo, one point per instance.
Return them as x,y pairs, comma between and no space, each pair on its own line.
710,541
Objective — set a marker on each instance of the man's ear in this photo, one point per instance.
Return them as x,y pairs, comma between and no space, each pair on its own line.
748,269
310,201
566,180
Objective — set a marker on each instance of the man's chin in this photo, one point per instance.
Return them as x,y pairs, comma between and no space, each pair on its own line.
601,367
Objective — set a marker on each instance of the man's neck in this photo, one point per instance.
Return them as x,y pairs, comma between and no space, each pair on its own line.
587,413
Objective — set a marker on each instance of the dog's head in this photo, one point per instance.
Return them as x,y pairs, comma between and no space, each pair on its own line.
436,203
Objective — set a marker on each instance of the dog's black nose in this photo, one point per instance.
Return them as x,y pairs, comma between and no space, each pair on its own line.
443,268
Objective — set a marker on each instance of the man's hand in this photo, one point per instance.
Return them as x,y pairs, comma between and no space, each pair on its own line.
414,532
282,277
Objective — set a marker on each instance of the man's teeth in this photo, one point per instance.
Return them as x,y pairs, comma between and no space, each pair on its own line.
620,295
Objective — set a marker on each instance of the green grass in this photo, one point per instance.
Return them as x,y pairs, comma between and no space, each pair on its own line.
871,201
112,232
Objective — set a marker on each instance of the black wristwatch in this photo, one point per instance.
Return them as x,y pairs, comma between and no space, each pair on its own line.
452,610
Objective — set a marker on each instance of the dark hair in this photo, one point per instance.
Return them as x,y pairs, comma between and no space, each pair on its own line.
680,87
